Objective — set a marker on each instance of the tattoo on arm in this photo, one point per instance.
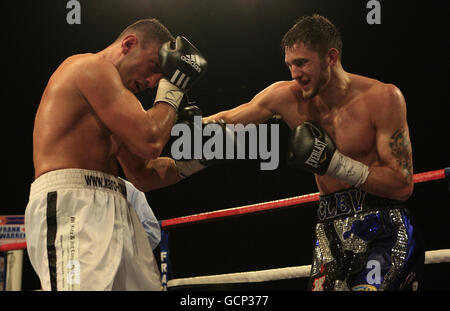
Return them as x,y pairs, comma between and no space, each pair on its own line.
401,149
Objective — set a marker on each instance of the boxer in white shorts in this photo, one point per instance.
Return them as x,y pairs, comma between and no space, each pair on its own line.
81,232
90,238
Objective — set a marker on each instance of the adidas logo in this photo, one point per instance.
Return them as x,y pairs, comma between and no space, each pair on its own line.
192,60
180,79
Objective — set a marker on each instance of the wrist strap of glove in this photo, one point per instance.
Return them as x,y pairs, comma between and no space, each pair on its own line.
344,168
169,94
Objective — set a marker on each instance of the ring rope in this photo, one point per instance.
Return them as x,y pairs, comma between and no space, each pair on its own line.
254,208
431,257
279,273
13,246
276,204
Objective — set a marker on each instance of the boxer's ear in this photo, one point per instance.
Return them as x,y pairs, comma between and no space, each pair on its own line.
332,57
128,42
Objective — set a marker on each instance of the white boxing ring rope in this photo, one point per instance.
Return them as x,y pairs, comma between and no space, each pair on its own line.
14,275
431,257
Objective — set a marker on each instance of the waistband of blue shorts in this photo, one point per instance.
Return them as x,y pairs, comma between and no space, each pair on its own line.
352,201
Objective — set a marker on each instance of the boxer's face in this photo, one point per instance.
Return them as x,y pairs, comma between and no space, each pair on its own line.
307,68
140,68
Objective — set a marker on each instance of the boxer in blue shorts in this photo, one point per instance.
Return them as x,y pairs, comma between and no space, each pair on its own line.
351,131
364,243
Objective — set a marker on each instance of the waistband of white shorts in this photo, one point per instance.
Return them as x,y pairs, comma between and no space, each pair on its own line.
77,179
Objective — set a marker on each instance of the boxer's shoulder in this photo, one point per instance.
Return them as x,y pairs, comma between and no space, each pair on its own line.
76,68
87,59
373,87
86,65
386,99
376,94
284,87
93,64
89,73
280,92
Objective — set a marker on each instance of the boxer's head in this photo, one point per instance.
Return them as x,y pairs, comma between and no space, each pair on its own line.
139,44
148,31
311,47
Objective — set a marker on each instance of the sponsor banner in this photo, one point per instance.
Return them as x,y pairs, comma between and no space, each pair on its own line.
12,229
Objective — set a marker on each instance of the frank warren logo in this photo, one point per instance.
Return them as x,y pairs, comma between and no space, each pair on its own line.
227,141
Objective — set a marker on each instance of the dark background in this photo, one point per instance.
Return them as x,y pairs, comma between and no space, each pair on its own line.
241,41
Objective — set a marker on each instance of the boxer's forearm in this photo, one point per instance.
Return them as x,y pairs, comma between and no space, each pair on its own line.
218,116
160,119
157,173
389,183
148,175
160,173
244,114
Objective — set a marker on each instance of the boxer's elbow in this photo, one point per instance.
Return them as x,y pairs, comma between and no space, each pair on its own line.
147,148
150,144
140,177
157,174
151,150
405,191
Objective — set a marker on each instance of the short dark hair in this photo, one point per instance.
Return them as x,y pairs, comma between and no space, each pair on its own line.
148,30
315,31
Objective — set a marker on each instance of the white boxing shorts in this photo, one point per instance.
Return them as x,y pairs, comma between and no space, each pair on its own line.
82,234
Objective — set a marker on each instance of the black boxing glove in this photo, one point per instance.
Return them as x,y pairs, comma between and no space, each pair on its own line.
231,144
185,116
188,113
181,63
188,167
182,66
312,149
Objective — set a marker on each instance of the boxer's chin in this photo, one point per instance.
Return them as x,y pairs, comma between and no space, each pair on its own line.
309,93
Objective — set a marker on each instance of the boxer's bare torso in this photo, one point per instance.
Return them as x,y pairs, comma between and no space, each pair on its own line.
349,121
365,117
88,112
89,117
67,131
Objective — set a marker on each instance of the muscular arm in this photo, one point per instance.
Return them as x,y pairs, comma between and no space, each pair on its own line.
143,132
392,175
255,111
148,175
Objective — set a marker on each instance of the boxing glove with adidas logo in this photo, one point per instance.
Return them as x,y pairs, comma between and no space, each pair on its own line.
182,66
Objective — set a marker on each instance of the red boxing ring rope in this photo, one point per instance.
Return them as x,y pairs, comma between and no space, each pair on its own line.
13,246
255,208
271,205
